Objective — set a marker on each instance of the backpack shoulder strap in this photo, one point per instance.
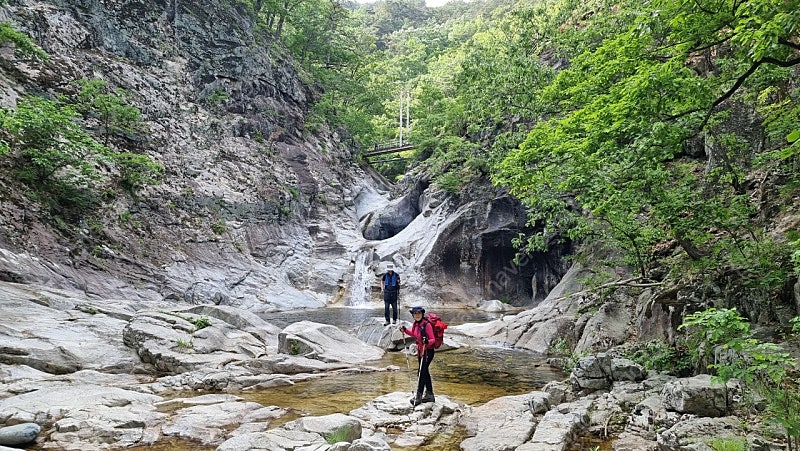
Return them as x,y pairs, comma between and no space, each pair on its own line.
422,323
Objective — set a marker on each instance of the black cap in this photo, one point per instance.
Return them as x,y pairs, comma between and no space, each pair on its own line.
417,309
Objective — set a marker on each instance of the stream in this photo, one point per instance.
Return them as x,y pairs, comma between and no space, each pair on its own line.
472,376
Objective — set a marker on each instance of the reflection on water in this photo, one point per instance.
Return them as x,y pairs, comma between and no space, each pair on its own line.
472,376
347,318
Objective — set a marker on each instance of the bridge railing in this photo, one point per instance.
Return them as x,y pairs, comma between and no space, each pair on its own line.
386,148
389,145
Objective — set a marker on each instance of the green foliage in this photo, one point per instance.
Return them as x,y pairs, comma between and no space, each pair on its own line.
24,47
184,344
660,356
728,444
339,435
110,107
136,170
218,97
51,153
294,347
708,329
60,161
560,347
449,182
48,142
201,323
219,227
763,367
600,160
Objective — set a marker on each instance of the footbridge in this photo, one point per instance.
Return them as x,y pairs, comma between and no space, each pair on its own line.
386,148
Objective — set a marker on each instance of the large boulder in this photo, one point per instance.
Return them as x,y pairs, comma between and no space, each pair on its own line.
343,428
178,342
559,427
694,434
697,395
503,423
597,372
87,417
19,434
208,419
325,342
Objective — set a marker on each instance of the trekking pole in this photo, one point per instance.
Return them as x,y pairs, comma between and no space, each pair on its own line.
419,371
406,351
408,365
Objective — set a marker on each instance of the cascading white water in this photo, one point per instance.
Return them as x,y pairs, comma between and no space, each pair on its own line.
363,278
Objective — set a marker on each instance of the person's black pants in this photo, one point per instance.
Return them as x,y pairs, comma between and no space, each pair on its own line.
425,381
390,300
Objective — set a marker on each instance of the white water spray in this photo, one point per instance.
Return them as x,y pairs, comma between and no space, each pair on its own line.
363,278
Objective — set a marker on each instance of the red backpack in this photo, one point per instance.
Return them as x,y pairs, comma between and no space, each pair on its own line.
438,329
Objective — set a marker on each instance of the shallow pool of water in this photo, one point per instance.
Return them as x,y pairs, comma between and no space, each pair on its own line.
472,376
348,318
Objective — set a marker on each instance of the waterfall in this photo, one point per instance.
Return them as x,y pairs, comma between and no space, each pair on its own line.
363,278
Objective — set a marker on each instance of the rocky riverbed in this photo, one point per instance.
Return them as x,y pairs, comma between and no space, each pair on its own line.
114,374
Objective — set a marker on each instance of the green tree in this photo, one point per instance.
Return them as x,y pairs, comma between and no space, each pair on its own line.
640,86
111,108
48,143
50,151
24,47
720,340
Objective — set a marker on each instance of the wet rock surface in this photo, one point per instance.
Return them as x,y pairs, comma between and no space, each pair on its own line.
100,407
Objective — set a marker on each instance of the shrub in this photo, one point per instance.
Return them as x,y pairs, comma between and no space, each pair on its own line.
24,47
728,444
201,323
109,106
339,435
660,356
764,368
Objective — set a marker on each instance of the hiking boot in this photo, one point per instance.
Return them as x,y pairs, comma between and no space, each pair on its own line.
386,323
417,400
428,398
394,322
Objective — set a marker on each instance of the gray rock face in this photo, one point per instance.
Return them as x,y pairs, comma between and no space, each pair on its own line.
394,217
255,210
504,423
599,371
559,427
250,202
697,395
207,419
45,330
325,342
694,434
86,416
173,343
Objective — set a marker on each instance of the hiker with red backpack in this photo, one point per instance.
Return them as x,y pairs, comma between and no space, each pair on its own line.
423,331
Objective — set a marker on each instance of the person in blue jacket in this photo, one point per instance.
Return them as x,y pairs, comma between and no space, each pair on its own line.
390,287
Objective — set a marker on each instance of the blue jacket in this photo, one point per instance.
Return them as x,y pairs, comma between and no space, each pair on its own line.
391,281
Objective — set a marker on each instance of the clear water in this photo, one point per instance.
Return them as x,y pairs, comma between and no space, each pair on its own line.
472,376
349,318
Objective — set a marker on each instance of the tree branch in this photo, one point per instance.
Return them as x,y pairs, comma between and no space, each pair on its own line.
788,43
738,84
780,63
